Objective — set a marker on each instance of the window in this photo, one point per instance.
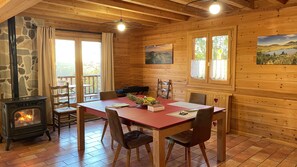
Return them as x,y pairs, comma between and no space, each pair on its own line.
199,58
212,58
219,58
78,61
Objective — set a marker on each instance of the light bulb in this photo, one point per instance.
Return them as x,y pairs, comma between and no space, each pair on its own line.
214,8
121,26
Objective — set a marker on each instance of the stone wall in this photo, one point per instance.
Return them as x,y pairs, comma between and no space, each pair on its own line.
5,89
26,57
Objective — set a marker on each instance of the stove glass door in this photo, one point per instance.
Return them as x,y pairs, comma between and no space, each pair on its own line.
26,117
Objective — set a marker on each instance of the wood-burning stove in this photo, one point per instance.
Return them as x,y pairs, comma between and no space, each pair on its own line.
22,118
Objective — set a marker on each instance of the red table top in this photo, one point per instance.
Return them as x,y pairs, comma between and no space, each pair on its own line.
157,120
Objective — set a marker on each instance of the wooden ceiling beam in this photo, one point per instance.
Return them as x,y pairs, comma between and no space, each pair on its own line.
70,25
205,5
283,1
3,2
195,5
67,19
278,2
240,3
106,10
39,13
10,8
72,22
50,8
123,6
171,7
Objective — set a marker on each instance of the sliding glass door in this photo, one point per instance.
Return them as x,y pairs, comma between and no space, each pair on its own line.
65,65
78,63
91,69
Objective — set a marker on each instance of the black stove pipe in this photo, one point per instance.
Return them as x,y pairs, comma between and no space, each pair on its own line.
13,58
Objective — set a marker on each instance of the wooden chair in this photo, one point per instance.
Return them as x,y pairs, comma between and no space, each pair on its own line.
198,98
61,111
201,132
130,140
164,88
106,96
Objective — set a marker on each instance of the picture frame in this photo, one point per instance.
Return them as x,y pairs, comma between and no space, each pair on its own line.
159,54
277,50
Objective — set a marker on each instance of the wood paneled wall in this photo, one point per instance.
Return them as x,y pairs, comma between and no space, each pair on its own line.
264,100
122,67
270,117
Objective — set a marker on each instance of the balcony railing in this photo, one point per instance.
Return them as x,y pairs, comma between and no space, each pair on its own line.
91,84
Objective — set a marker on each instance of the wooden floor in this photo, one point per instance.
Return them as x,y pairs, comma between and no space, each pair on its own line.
241,151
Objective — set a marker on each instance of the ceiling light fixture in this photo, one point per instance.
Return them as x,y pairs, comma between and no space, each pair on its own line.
215,7
121,26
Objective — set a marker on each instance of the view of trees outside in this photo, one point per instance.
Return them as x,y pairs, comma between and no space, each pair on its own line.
220,56
65,57
91,55
198,64
200,48
220,47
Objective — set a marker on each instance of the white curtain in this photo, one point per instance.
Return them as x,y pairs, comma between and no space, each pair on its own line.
46,64
107,67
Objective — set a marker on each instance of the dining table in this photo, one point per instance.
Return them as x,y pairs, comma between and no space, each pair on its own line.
162,123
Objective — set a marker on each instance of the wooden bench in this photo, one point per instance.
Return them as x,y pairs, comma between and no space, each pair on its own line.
224,101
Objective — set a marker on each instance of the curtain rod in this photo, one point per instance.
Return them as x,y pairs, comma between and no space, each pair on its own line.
89,32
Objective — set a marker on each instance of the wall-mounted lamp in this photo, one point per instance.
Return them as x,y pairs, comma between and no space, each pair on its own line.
121,26
215,7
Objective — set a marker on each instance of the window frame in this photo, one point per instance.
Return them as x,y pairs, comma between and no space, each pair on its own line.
228,84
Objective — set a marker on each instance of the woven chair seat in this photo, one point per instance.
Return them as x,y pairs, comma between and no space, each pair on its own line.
65,110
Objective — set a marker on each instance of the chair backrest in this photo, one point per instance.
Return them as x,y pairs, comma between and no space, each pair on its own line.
108,95
198,98
202,126
59,96
164,88
115,126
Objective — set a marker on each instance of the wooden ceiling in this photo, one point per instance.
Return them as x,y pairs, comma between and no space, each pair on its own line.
104,14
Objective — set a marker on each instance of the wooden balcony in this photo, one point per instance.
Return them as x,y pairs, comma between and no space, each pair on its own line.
91,84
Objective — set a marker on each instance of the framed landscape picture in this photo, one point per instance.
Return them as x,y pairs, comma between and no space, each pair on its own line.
277,49
159,54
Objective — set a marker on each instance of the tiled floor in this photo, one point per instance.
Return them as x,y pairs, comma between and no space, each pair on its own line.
241,151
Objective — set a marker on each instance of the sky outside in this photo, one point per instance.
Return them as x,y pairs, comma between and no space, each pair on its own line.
276,39
65,55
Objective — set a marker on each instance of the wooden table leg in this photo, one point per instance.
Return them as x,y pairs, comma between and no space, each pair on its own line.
158,148
221,137
80,128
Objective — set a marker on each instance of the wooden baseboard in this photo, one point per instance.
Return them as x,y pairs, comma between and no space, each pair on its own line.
269,139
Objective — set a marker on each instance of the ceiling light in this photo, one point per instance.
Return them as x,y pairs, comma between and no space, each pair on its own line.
215,8
121,26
